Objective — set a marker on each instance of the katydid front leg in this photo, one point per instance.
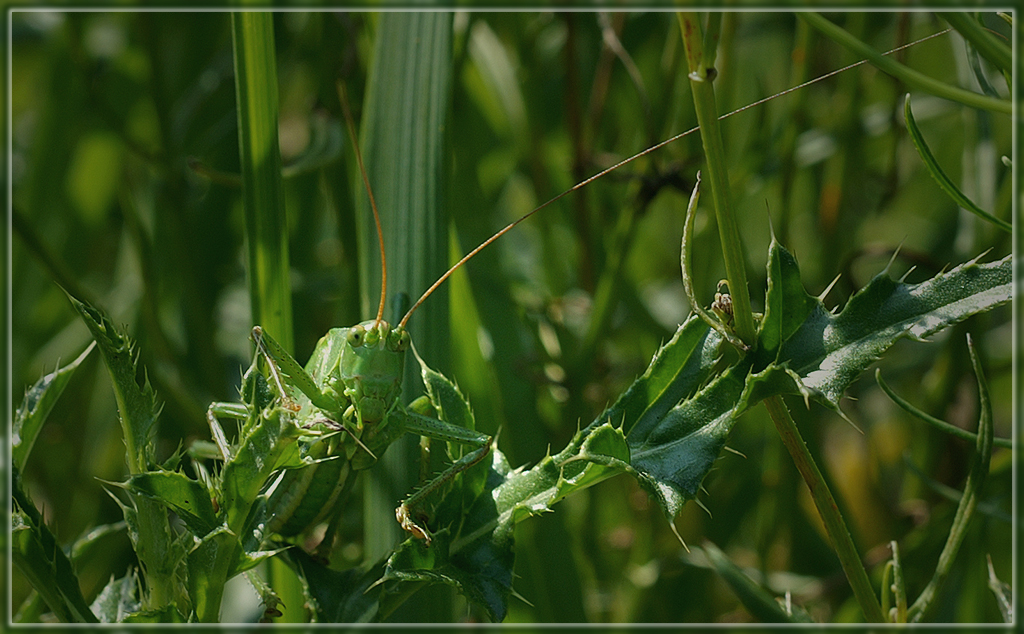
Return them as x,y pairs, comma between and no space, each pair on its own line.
283,366
230,410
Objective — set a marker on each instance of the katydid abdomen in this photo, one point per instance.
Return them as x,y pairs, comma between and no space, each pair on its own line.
304,498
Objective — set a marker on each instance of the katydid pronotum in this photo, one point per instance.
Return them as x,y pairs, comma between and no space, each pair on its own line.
349,393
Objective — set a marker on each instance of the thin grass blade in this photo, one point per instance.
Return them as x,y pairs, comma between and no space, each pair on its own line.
403,141
266,222
945,182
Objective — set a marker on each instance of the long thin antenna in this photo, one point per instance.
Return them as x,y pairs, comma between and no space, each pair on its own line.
586,182
343,94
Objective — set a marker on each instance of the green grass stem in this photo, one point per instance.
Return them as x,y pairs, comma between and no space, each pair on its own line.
266,222
939,424
945,182
993,50
925,603
702,84
909,76
835,526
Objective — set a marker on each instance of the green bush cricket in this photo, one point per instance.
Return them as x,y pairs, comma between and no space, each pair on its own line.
349,391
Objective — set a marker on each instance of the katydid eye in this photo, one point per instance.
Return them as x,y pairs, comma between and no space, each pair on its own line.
398,340
356,336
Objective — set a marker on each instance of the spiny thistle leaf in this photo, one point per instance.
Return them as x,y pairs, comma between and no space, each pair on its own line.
481,572
828,352
36,406
465,552
137,404
674,456
676,371
118,599
669,427
148,526
476,558
188,498
446,397
208,565
268,447
41,559
338,596
803,349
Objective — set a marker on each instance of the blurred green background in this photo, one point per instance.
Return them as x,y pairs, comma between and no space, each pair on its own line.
124,159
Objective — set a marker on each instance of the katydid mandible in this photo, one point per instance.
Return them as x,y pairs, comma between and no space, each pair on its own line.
349,392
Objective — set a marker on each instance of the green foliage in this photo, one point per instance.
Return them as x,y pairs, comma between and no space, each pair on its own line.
266,221
36,406
136,404
939,175
38,555
968,502
755,598
548,326
671,445
827,352
160,554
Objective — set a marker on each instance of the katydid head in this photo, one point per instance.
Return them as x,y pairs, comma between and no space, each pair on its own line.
372,366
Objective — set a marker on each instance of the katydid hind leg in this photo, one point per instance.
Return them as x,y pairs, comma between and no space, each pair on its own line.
409,511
